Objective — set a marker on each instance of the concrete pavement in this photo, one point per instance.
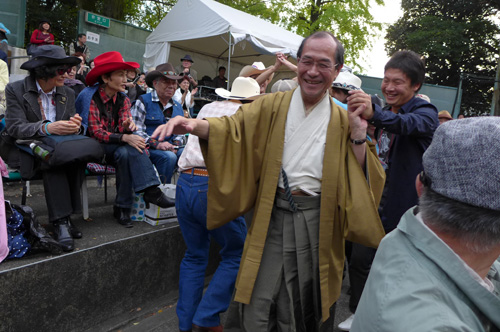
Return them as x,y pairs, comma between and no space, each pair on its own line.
153,316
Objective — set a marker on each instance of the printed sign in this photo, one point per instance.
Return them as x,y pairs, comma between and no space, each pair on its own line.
93,37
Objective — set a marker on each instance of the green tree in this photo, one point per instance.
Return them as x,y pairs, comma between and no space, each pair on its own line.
349,20
455,38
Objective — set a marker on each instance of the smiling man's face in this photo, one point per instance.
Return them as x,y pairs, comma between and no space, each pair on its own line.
397,88
317,69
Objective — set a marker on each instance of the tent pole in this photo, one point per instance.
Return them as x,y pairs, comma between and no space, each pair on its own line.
229,63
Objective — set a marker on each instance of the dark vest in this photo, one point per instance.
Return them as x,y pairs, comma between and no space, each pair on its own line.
154,112
79,48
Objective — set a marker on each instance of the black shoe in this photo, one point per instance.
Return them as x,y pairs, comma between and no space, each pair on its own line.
122,215
75,232
63,235
155,196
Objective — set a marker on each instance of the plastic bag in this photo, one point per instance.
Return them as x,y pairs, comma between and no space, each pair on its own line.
25,234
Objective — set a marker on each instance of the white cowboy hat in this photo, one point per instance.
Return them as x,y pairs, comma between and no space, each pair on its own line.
244,88
255,68
347,81
284,85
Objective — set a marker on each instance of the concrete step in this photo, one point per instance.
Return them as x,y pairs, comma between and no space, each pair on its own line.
117,279
114,276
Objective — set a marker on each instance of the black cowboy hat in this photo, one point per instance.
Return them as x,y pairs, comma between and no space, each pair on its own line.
47,55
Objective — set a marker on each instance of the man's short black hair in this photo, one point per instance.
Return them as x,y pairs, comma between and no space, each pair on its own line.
80,35
410,63
222,67
339,52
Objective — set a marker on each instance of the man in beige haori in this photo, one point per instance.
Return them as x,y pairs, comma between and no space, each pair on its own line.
304,164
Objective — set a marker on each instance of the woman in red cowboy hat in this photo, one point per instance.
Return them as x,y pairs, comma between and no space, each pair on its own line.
110,122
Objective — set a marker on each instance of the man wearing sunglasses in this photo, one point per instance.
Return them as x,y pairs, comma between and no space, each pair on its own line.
38,106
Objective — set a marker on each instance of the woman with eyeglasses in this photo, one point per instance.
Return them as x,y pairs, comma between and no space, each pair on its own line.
38,106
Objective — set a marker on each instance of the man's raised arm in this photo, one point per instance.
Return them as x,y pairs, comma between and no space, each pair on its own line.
180,126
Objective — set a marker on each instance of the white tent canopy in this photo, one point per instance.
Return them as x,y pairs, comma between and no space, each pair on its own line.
206,28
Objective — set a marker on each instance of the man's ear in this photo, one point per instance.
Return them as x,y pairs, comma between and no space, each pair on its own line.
419,186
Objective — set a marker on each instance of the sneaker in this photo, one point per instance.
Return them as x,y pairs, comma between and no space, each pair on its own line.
346,325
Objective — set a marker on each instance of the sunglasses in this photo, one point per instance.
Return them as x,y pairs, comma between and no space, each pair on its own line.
63,70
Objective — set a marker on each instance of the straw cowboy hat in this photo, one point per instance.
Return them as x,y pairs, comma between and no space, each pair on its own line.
165,69
107,63
347,81
244,88
48,55
255,68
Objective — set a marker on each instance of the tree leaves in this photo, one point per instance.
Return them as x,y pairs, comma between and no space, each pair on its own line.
349,20
456,38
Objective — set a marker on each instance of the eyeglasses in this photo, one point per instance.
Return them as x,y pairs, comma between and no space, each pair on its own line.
63,70
321,65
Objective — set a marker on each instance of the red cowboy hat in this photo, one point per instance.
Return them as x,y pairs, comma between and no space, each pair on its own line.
107,63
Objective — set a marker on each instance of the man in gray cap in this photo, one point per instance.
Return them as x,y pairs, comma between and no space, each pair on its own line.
439,269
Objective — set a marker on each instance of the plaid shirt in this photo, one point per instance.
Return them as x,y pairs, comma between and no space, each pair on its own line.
139,116
102,127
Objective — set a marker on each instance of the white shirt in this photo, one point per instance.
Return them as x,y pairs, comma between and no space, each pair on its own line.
305,139
178,98
48,102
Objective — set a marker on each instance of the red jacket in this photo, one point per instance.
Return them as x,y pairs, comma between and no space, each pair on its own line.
37,37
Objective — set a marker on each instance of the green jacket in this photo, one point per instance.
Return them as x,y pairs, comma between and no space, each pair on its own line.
417,283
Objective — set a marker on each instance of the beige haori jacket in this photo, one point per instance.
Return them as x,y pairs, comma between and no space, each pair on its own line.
243,157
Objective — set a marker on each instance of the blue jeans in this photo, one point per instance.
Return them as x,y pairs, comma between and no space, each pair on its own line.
165,162
134,172
193,306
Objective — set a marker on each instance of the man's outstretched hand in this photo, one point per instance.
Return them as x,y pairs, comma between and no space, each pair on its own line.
180,126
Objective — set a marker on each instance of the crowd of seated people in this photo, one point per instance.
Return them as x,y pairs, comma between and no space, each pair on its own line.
76,95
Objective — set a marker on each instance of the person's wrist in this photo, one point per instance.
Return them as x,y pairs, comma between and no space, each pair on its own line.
46,129
358,141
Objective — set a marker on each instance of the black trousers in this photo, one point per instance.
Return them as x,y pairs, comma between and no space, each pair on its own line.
62,190
359,268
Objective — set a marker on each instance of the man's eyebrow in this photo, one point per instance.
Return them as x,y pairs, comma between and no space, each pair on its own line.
319,60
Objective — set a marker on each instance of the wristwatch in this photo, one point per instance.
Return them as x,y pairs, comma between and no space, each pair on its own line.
358,141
